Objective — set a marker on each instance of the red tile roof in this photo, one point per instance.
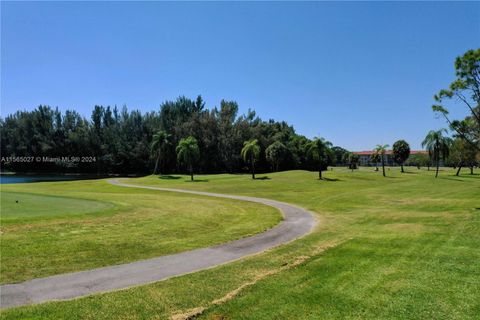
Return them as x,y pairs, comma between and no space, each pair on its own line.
368,153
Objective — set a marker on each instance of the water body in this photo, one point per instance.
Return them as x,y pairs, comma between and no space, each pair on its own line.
15,178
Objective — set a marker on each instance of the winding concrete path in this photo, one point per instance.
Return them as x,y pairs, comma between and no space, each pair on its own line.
297,222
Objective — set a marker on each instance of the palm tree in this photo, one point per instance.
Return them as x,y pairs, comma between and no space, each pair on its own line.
438,146
381,149
319,151
159,142
250,152
353,159
375,158
188,152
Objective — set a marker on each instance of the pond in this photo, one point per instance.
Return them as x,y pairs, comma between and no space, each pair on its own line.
18,178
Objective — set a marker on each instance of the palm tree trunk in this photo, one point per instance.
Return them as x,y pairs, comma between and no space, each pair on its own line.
402,167
161,166
458,170
376,166
319,174
156,164
438,165
253,167
191,172
471,169
383,166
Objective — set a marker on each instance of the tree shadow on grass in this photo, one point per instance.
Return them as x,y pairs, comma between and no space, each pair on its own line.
197,180
263,178
453,178
471,176
331,179
168,177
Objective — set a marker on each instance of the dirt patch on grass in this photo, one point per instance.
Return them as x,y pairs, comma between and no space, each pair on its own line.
188,314
194,312
406,227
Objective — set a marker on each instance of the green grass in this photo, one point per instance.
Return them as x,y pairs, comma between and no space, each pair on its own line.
402,247
44,235
23,207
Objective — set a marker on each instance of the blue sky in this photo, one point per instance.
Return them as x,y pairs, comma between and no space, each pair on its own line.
358,74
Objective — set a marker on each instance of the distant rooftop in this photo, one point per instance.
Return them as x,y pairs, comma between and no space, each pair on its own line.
367,153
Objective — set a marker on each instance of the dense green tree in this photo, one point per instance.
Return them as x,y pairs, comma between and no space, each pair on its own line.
229,138
159,142
381,149
401,152
276,153
438,146
319,151
188,153
250,153
339,155
297,146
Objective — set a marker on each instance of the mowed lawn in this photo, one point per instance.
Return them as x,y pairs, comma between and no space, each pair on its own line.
58,227
402,247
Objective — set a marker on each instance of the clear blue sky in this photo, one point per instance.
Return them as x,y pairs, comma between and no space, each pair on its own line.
357,74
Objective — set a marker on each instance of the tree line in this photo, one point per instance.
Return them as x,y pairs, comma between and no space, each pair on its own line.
123,141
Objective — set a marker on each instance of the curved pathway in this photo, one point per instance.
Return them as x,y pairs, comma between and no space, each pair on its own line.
297,222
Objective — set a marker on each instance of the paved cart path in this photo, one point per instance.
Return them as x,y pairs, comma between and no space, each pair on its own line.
297,222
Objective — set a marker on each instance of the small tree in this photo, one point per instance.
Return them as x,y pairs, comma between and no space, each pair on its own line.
321,153
250,153
381,150
375,158
462,154
438,146
418,160
159,142
275,154
425,161
188,153
352,159
401,152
